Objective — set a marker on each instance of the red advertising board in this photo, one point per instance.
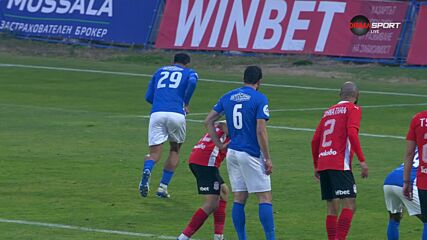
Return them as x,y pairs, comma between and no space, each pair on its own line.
418,51
279,26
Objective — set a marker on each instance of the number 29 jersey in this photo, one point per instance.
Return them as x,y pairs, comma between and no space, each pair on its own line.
170,88
418,133
334,150
242,108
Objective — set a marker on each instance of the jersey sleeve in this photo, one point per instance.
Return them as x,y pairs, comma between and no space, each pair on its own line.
315,142
354,117
192,83
411,133
219,108
149,95
262,109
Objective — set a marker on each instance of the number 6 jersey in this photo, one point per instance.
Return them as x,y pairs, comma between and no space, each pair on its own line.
336,138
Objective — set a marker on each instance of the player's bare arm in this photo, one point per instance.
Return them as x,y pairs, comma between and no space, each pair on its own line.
210,126
315,142
355,143
263,144
409,158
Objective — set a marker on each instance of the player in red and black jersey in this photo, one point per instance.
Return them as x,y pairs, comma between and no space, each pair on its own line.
333,146
205,159
417,137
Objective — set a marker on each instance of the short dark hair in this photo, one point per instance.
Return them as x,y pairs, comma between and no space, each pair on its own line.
182,58
252,75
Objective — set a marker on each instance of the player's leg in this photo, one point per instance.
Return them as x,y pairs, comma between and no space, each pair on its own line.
345,189
332,204
422,194
157,135
394,201
219,214
207,185
168,170
240,194
176,129
259,183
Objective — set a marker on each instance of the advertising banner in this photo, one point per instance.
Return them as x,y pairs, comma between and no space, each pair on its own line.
283,26
418,51
116,21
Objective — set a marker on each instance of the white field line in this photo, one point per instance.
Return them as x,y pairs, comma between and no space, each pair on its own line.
202,79
85,229
297,129
189,120
324,108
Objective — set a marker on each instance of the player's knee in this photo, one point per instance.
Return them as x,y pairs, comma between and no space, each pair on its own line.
175,147
224,192
396,216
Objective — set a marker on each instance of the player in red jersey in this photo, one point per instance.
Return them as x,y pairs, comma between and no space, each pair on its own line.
333,146
417,137
205,160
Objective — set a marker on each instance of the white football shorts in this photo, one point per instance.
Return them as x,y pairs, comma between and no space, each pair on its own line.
395,200
166,126
247,173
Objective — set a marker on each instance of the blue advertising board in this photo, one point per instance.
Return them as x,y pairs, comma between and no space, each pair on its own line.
113,21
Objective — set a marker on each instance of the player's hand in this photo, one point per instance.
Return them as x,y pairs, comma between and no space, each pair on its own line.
223,146
407,190
187,109
268,166
316,175
364,169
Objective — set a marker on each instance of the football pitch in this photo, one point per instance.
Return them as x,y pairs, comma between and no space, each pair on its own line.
73,135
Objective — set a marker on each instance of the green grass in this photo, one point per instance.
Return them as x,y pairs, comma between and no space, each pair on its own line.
72,147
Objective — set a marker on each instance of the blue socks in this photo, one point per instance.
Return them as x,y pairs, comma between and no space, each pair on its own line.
149,164
393,230
425,232
265,212
239,220
167,176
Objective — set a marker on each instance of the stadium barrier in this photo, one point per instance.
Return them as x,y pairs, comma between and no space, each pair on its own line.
252,26
307,27
418,51
104,21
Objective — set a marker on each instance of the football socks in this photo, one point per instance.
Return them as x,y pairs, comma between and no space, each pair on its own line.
195,223
219,217
344,223
149,164
167,176
425,232
331,226
393,230
239,220
265,211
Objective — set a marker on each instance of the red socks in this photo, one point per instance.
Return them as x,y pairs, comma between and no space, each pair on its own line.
331,226
344,223
196,222
219,217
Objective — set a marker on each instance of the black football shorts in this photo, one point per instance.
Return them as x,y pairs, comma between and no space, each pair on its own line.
337,184
208,179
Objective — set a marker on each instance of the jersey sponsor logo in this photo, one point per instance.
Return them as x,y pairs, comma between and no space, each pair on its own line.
342,192
335,111
240,97
200,146
204,189
216,185
328,153
266,111
172,68
423,170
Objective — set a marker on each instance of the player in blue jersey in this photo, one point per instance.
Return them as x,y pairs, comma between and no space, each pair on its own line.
169,92
248,158
395,200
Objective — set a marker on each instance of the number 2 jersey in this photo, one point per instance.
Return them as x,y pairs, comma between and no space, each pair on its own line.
205,153
336,138
171,88
418,133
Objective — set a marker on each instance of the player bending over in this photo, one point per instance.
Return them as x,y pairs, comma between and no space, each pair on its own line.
394,199
205,159
169,92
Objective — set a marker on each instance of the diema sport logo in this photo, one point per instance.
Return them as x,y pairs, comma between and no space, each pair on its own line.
360,25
